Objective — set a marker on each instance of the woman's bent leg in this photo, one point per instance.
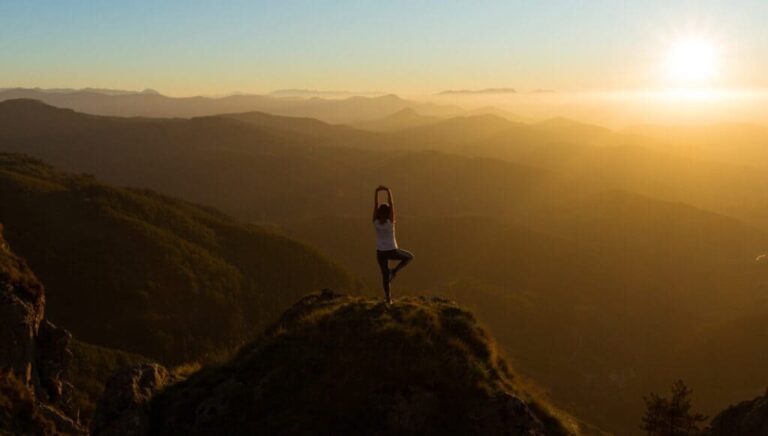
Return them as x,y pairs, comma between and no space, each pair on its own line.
404,256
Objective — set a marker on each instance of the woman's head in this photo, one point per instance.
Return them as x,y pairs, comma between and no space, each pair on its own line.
383,212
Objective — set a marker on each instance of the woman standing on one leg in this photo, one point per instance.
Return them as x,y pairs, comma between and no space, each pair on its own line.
386,244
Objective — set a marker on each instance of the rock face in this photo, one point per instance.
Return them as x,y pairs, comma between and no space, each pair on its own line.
337,364
749,418
22,303
124,407
33,352
52,355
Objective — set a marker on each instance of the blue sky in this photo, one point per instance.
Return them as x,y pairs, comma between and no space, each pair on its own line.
206,47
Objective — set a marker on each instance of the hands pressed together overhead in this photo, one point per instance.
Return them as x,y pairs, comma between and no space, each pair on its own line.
389,201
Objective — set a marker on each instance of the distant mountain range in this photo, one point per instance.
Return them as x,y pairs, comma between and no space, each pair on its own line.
220,160
491,92
478,91
104,91
305,93
151,104
403,119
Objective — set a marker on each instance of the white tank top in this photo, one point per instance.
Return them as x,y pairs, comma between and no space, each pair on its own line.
385,235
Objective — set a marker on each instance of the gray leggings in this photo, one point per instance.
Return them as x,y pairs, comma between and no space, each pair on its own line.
383,257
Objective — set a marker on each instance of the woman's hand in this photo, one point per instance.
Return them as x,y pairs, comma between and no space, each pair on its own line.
376,199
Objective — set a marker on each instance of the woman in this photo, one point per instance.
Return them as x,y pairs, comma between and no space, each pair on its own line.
386,245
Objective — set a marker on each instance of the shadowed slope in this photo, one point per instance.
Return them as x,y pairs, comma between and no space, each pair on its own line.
138,271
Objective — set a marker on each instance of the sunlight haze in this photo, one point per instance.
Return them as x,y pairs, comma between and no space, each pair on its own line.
409,48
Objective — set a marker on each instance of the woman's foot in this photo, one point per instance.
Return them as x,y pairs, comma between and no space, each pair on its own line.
392,274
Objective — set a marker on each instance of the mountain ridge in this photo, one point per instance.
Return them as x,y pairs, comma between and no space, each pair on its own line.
484,91
344,110
402,119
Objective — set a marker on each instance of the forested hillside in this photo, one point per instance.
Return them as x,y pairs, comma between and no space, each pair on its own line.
142,272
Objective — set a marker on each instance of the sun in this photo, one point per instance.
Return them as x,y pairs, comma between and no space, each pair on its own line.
692,61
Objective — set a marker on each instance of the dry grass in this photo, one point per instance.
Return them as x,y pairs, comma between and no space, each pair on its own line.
340,364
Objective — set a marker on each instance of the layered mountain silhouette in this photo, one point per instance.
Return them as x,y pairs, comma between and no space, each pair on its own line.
486,91
305,93
725,177
736,143
403,119
152,104
239,154
283,172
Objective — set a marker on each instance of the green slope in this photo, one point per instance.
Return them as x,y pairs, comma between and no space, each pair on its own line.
138,271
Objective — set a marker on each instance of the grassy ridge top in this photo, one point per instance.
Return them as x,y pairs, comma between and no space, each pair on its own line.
336,364
146,273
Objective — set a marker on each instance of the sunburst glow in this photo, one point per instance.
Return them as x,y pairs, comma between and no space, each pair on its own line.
692,61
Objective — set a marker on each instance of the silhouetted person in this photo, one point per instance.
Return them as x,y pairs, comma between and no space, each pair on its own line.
386,244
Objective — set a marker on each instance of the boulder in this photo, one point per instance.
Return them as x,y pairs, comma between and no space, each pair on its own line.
124,407
22,303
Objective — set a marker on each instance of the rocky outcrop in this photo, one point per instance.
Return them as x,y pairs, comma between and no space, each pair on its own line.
34,353
124,407
52,357
22,304
749,418
336,364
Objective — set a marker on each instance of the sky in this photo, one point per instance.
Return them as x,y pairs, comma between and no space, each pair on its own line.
411,47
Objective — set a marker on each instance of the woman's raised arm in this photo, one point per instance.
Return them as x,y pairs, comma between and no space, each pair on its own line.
391,205
376,199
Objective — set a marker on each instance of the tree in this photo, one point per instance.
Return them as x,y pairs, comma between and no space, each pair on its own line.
671,415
